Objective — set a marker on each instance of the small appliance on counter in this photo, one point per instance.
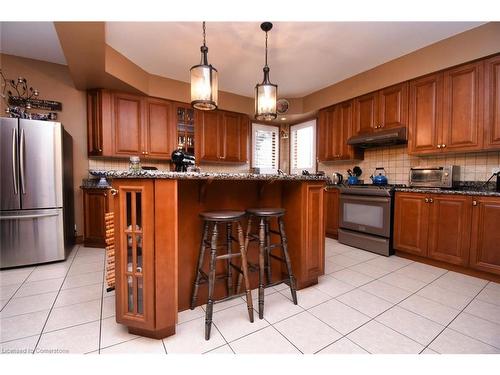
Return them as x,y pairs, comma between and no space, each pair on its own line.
435,177
182,160
378,177
337,178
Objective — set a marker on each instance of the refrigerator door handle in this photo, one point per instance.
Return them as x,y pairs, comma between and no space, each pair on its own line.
21,164
14,160
19,217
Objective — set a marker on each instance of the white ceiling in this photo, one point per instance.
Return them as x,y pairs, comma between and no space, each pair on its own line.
303,56
34,40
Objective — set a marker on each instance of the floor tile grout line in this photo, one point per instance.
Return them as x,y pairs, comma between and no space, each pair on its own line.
20,286
460,312
102,305
55,299
287,339
472,337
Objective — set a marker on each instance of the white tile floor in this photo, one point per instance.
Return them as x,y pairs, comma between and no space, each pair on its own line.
364,304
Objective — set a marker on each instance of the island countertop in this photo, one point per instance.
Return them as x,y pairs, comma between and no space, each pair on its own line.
125,173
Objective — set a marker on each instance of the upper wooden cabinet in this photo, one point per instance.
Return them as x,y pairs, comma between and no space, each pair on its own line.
334,128
386,108
221,136
393,106
426,101
492,103
365,113
446,111
485,238
463,108
121,125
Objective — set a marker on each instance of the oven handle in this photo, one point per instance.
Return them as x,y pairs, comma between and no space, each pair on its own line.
365,199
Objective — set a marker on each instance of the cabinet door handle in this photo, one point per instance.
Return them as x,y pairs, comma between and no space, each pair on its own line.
114,192
443,145
474,203
100,150
431,200
426,200
222,157
438,146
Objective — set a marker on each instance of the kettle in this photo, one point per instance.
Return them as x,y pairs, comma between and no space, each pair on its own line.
337,178
378,177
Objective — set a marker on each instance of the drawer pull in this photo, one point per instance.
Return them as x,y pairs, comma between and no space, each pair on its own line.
114,192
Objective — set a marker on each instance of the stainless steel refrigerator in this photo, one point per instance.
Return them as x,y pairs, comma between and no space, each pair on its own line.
36,192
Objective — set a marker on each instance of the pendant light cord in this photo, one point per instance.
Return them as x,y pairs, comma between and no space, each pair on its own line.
204,34
266,49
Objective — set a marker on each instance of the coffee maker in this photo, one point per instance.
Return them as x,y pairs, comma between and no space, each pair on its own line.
182,160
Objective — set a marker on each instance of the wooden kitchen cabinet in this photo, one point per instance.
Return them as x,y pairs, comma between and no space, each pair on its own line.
446,111
425,112
462,128
123,125
134,257
449,228
485,236
366,113
393,106
221,136
492,103
128,119
331,212
95,205
334,129
411,223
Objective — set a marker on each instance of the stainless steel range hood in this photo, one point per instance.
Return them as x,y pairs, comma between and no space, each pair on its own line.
380,138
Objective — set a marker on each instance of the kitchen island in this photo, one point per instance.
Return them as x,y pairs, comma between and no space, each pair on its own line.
158,232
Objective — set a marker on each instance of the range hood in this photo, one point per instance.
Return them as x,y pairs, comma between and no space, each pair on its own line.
380,138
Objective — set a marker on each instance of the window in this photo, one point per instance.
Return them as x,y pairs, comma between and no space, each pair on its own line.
303,147
266,148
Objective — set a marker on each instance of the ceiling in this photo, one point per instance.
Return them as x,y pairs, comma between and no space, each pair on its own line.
303,56
34,40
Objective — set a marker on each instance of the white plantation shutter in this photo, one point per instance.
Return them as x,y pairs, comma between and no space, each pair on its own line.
303,147
266,148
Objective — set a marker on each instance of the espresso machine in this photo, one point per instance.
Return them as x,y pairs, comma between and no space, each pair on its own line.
182,160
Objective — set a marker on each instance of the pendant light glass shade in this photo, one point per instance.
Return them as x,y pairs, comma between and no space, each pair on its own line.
204,82
266,93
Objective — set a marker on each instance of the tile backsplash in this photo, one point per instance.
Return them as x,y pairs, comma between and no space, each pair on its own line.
397,163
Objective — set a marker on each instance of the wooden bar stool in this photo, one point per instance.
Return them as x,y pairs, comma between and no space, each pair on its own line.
214,219
264,216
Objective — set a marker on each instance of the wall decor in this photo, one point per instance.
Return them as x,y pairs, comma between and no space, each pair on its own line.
282,106
21,99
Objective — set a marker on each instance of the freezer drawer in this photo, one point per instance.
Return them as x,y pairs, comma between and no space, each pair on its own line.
31,237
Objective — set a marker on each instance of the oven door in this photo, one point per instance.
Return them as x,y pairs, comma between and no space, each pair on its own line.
367,214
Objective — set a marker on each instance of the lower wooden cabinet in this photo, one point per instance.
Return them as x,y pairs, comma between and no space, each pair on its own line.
485,238
411,223
449,228
456,229
332,212
95,205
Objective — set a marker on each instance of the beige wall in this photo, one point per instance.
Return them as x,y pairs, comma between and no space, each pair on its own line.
54,83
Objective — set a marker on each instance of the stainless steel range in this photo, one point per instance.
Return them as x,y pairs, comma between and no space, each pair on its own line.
366,215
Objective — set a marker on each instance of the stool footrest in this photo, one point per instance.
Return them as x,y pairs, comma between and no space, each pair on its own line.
274,232
277,257
227,256
277,283
233,296
204,277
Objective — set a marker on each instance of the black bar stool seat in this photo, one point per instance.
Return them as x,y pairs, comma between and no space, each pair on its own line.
273,212
264,216
222,215
211,222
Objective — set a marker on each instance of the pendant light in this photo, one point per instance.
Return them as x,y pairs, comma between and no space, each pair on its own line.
204,85
266,92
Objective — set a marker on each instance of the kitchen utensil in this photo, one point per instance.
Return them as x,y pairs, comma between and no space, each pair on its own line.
357,171
337,178
349,172
378,177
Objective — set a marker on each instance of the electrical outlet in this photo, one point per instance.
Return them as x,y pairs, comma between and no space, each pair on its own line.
495,170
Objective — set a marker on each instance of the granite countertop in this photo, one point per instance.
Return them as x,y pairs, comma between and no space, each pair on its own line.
464,188
204,175
93,183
